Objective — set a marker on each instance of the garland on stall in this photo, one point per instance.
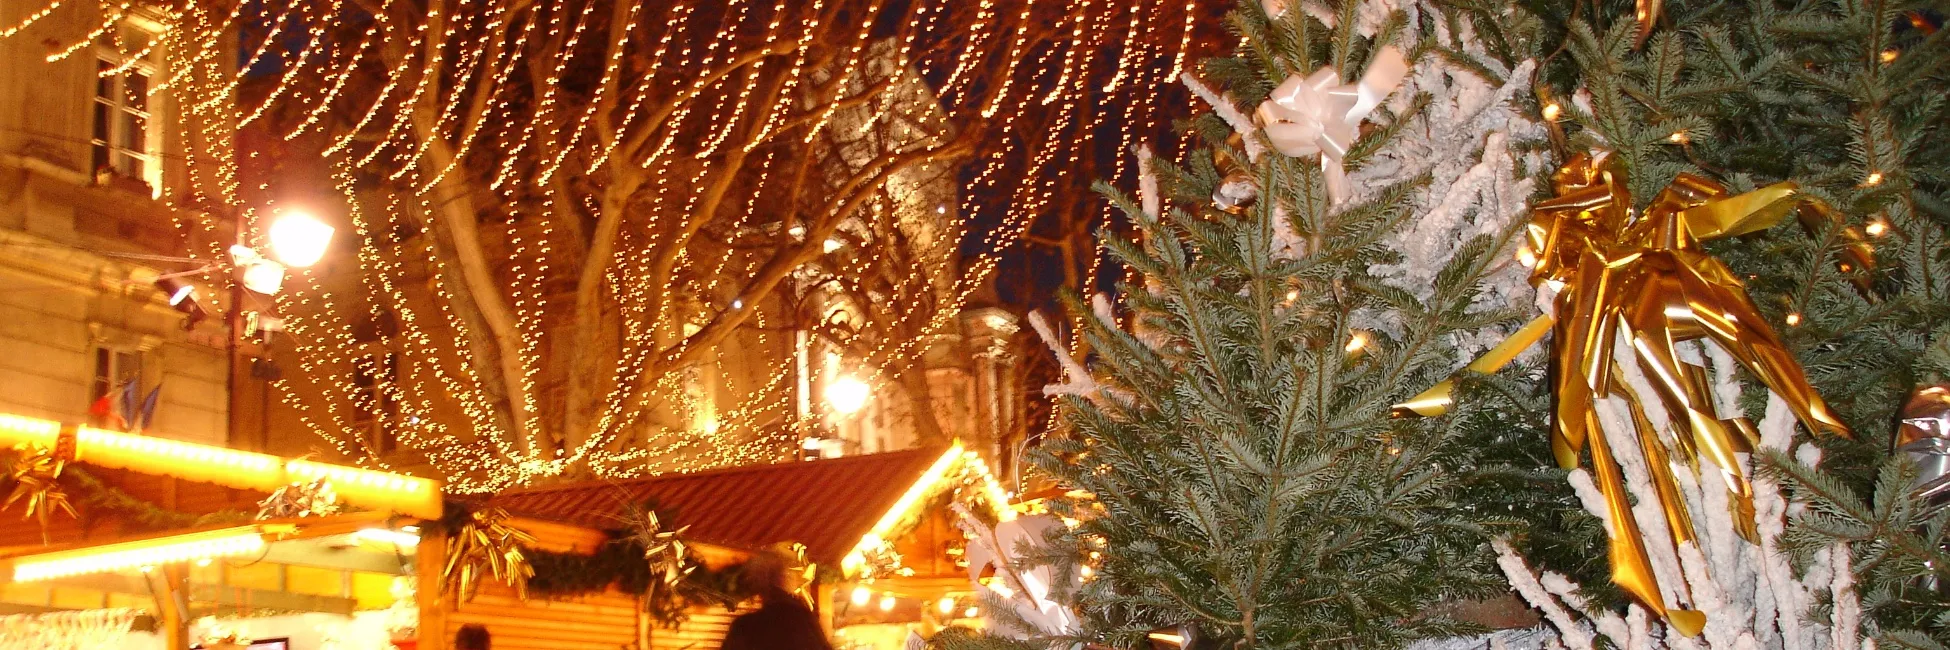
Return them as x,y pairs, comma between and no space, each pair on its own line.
141,516
626,562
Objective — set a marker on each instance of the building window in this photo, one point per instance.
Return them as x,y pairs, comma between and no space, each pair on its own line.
375,401
122,125
113,368
115,371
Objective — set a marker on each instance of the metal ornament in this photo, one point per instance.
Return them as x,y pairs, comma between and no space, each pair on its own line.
1925,437
313,498
1639,284
1238,190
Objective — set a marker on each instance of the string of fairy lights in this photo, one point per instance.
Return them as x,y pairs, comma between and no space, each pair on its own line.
514,121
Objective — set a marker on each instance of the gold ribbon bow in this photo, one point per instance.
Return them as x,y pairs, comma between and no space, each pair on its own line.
486,544
1641,282
36,475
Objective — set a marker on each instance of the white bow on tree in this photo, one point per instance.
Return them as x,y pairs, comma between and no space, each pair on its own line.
1318,115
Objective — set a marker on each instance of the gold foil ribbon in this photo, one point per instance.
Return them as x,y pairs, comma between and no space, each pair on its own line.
487,545
36,475
1640,284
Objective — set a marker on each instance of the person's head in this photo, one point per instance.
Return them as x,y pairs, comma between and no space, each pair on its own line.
471,637
764,572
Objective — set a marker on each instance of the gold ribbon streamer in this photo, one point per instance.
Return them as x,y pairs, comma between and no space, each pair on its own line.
487,545
36,475
1641,283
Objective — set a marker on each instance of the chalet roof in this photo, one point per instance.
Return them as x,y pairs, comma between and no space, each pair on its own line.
825,504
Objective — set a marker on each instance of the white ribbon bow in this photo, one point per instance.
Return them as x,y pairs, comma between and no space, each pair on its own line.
1319,115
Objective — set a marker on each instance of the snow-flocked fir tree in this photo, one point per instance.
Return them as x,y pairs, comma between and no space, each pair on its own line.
1846,99
1233,426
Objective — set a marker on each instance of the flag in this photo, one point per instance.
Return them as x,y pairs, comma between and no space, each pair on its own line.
125,416
148,413
102,409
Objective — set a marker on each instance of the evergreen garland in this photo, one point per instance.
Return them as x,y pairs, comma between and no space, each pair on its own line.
141,516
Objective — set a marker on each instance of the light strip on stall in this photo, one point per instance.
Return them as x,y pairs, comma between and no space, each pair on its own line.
410,495
228,542
943,469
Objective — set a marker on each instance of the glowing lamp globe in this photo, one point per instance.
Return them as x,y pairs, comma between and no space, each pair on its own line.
847,394
299,239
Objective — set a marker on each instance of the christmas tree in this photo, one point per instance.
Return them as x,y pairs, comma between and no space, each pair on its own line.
1844,101
1313,266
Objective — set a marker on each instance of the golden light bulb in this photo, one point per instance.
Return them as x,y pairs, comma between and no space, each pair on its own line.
1888,56
1527,257
971,612
861,595
1552,111
299,239
1793,319
847,394
947,605
1876,228
1874,179
887,603
1357,342
1679,137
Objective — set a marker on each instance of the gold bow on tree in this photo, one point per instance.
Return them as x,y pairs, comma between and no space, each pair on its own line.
800,571
36,474
1640,285
486,544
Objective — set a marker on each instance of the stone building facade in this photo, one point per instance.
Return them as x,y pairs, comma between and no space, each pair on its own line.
85,233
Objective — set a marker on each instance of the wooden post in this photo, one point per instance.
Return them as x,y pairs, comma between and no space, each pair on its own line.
823,605
427,564
174,601
643,622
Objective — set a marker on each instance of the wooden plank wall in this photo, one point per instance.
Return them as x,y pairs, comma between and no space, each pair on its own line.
704,630
605,621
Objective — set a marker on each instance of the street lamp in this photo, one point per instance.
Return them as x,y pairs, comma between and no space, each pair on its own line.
847,394
299,239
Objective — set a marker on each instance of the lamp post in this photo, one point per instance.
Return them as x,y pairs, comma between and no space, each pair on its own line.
297,240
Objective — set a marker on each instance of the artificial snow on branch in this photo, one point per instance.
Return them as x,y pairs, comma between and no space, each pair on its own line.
1749,593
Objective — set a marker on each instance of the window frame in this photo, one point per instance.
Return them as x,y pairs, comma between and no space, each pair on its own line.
106,151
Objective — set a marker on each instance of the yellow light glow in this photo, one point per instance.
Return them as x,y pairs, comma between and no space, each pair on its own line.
1357,342
971,612
1874,179
242,540
15,429
947,605
1552,110
1793,319
1877,228
887,603
1167,638
400,493
299,239
861,595
1527,257
1679,137
956,457
847,394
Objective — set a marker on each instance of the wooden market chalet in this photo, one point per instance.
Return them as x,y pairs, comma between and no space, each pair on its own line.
171,547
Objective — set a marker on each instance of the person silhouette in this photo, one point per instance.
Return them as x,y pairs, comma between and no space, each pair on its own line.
783,622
